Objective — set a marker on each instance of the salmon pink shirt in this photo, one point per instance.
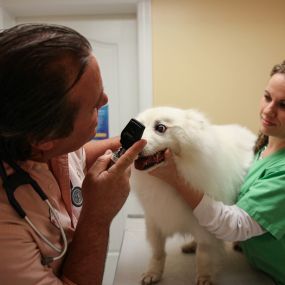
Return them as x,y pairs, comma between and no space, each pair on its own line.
21,248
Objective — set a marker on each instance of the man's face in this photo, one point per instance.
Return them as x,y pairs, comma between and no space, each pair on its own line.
88,94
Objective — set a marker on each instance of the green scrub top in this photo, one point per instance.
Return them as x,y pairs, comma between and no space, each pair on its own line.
262,196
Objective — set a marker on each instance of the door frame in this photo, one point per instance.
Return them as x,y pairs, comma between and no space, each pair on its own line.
11,9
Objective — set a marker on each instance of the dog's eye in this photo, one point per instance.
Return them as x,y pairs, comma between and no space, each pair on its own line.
160,128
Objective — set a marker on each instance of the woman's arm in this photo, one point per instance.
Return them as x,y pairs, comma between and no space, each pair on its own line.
168,173
226,222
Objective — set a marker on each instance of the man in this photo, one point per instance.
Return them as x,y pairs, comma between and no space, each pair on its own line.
50,93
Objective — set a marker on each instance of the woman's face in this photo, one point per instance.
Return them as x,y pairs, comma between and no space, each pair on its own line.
272,107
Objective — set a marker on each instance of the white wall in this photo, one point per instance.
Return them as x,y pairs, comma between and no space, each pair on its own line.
6,20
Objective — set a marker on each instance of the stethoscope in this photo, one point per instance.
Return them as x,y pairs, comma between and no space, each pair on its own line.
10,184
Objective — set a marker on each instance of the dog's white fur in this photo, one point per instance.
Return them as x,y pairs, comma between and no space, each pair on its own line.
211,158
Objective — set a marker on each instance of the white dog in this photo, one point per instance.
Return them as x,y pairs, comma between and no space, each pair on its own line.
212,158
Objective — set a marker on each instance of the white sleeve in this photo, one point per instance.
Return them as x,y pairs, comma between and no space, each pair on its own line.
229,223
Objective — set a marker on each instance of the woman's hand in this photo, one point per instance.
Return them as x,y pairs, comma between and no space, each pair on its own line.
168,173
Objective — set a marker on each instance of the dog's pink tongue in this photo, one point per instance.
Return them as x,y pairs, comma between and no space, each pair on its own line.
140,164
146,162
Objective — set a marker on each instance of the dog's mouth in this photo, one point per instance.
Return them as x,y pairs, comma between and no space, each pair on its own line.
146,162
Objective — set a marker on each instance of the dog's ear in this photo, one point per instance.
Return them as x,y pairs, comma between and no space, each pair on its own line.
191,131
196,119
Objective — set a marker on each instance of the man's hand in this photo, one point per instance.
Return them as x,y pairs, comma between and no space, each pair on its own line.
94,149
105,190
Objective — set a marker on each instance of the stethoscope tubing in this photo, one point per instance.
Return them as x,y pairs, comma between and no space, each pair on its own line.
10,184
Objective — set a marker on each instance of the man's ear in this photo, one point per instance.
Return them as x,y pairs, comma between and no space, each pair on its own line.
44,145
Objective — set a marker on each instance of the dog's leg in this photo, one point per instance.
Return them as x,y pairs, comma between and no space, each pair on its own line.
157,261
208,261
203,265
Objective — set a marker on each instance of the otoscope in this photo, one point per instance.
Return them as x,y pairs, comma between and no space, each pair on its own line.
132,132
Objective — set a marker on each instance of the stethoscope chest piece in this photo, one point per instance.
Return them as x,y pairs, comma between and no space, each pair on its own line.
76,196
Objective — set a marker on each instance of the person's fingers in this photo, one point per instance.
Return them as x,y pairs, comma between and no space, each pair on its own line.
128,172
128,157
102,162
108,152
168,154
168,162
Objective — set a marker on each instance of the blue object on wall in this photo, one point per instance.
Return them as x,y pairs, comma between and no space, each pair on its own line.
102,131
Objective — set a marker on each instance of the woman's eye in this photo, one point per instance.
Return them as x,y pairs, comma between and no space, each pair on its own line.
267,97
160,128
282,105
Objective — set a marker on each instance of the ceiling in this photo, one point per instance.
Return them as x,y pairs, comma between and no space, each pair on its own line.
22,8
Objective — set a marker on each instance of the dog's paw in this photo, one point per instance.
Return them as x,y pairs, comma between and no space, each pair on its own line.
150,278
204,280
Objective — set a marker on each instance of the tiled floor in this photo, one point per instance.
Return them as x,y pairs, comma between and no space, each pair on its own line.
180,268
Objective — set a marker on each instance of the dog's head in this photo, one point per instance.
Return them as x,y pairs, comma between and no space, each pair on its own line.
172,128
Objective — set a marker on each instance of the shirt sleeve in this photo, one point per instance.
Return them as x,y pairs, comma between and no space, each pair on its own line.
265,201
229,223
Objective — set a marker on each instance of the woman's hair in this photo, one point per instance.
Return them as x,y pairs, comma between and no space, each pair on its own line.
39,65
262,139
